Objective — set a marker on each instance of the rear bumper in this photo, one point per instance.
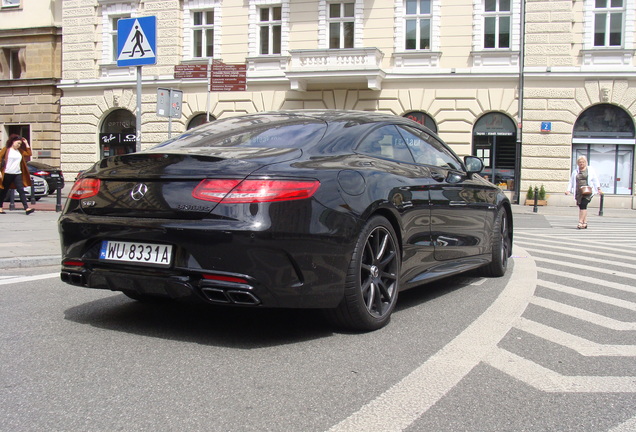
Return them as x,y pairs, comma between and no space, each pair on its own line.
288,270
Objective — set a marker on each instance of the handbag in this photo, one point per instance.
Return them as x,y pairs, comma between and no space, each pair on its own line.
586,190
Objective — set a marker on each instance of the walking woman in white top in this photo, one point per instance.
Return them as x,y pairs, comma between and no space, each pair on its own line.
584,184
14,171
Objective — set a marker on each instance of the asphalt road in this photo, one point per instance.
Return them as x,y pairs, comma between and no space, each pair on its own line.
550,347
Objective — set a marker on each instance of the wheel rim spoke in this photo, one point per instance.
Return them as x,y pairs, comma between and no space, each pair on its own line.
382,247
378,272
371,297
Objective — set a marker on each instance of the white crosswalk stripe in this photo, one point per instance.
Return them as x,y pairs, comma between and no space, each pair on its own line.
593,267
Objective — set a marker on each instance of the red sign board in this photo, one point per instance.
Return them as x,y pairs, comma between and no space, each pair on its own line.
195,71
228,77
224,77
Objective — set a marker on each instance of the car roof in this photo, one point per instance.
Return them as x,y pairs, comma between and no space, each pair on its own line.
41,165
337,115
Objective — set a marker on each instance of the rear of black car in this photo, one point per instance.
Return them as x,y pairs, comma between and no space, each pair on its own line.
54,177
195,217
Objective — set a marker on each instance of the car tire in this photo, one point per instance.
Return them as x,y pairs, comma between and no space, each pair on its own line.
372,281
501,246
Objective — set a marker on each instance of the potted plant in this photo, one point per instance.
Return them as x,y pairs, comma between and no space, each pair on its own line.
530,198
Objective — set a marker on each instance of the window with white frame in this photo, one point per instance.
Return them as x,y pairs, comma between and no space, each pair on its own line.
608,23
270,25
111,14
202,31
497,23
341,24
417,24
112,31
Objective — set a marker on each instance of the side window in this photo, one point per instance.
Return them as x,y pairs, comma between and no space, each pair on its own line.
428,150
386,142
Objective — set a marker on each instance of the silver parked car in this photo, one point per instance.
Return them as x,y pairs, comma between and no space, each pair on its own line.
40,188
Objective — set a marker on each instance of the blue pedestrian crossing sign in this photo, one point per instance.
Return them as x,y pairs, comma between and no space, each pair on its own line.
137,41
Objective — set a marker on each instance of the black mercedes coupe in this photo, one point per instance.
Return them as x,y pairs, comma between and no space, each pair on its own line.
337,210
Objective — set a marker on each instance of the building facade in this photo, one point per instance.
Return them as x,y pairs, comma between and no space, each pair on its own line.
30,70
459,66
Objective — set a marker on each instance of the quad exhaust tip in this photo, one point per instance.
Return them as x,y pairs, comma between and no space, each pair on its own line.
73,278
230,296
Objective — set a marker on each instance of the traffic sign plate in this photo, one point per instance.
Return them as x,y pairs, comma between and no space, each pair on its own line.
190,71
137,41
228,77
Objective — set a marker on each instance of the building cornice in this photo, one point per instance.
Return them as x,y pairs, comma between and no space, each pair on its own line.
29,82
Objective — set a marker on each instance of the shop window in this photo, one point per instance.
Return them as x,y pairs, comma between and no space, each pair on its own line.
495,142
605,134
604,121
423,119
199,119
118,133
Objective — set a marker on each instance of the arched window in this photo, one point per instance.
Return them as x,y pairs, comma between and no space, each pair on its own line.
494,140
118,133
198,120
605,134
423,119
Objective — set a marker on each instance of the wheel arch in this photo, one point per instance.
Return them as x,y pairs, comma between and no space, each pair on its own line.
508,207
393,220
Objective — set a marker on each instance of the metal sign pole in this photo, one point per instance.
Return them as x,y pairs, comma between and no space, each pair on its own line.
170,115
138,125
207,104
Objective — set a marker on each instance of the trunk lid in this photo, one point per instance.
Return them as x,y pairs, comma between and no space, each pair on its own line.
155,184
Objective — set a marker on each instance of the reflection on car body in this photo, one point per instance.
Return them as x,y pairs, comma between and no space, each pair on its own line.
335,210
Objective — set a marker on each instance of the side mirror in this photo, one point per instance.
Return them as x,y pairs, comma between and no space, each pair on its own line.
474,165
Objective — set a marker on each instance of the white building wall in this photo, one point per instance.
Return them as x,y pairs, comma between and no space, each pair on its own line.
456,83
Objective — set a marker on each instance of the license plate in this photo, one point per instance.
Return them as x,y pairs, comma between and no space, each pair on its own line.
142,253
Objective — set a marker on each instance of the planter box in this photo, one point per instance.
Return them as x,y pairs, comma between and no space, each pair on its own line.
539,202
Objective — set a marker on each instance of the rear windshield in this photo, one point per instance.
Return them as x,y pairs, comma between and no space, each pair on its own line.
251,131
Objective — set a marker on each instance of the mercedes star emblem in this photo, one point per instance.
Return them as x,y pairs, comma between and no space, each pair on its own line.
138,191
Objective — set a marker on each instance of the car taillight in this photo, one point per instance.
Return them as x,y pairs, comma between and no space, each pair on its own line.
85,188
41,173
252,191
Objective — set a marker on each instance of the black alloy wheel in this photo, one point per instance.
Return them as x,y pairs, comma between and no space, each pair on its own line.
372,284
501,246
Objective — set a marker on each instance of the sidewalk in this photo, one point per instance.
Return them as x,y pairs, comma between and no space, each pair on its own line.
33,241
